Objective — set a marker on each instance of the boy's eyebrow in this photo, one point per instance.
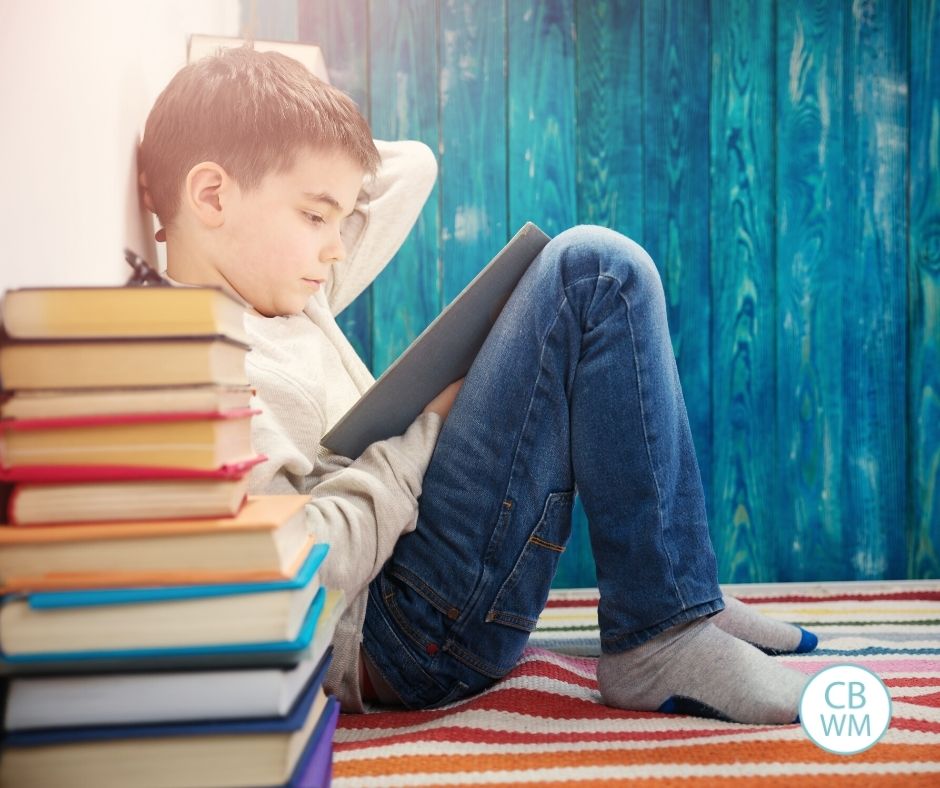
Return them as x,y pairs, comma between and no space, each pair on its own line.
326,197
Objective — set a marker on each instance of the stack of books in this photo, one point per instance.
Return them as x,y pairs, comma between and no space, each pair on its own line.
158,626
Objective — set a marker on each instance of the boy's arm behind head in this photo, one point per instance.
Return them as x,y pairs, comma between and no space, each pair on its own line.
387,209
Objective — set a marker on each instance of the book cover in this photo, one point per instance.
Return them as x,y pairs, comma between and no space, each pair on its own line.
90,473
102,501
46,403
261,541
92,597
288,722
287,651
90,312
99,699
315,769
123,363
166,617
441,354
243,752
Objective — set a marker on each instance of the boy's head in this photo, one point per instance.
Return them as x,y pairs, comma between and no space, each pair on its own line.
250,163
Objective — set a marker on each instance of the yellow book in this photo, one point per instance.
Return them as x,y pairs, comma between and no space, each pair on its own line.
99,312
193,441
95,363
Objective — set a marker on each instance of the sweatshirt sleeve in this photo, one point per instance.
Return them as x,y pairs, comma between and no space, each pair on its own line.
386,210
360,507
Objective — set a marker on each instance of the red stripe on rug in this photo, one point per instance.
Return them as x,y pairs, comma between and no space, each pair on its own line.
926,596
550,670
921,726
920,681
932,700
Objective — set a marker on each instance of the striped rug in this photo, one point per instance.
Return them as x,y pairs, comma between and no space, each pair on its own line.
544,723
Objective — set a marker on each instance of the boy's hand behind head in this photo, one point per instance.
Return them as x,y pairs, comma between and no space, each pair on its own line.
251,163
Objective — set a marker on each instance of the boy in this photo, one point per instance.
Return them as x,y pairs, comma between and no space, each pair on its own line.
267,182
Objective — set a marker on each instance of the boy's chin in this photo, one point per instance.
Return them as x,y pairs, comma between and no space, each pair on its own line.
286,308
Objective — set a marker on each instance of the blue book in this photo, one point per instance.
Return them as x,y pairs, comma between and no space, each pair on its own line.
55,600
102,623
132,697
247,751
288,651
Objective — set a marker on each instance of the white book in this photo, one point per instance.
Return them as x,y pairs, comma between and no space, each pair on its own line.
167,696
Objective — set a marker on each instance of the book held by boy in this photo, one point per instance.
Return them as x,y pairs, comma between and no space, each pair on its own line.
441,354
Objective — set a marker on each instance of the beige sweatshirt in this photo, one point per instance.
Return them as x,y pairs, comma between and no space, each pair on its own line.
307,375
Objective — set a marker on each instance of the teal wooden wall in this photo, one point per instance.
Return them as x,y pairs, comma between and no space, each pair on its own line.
779,160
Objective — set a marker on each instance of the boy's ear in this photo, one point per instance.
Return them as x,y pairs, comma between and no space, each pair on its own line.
206,190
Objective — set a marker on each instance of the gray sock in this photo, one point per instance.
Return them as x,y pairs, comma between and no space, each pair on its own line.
768,634
696,668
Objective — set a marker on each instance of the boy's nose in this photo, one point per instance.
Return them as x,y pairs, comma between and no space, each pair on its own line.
333,252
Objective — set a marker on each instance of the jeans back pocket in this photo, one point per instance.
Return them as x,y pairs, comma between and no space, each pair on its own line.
522,596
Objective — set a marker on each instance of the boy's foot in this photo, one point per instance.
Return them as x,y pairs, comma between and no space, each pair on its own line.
696,668
768,634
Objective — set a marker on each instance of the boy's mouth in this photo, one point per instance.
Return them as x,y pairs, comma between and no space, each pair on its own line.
313,282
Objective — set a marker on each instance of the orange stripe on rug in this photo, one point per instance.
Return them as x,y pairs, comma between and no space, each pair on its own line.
755,752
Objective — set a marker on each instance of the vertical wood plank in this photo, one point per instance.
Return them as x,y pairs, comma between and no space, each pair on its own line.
404,99
742,248
811,255
924,306
874,342
610,115
342,32
541,114
675,77
473,128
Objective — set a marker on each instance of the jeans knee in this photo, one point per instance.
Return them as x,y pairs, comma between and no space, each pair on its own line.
586,250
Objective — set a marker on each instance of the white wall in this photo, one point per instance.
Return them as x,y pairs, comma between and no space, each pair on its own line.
77,78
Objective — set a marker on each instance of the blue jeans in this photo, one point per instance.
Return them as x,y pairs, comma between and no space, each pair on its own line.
575,386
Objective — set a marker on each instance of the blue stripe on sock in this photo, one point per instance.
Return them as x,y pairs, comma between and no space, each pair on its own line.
680,704
808,641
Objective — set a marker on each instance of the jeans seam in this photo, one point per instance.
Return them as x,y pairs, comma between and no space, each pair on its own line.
649,457
391,607
471,660
389,625
420,587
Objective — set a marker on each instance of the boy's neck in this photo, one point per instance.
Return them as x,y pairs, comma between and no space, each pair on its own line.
190,266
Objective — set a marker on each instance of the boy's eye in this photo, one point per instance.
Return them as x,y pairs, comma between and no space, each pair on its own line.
312,217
